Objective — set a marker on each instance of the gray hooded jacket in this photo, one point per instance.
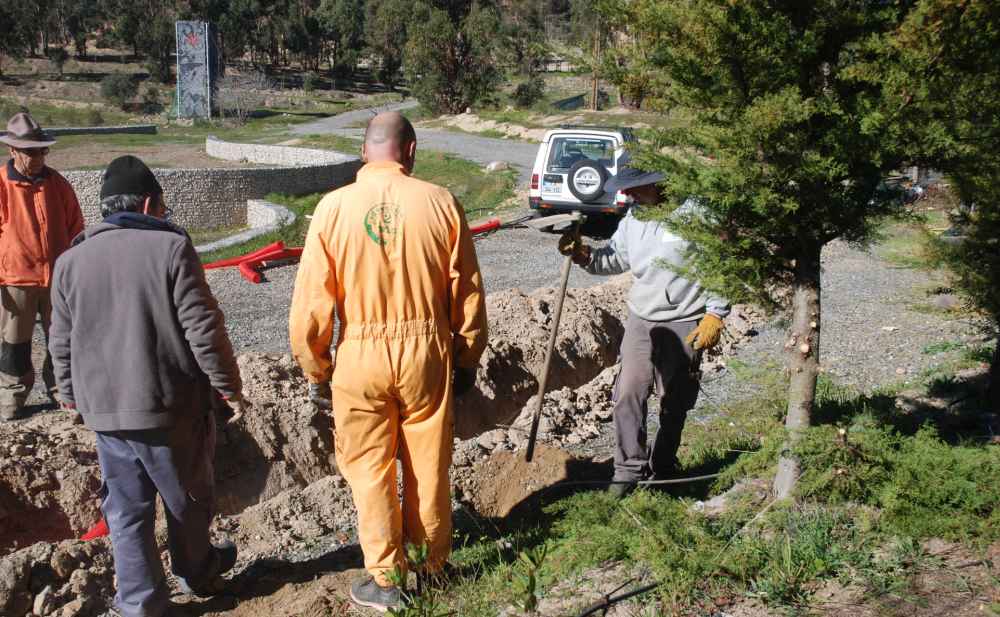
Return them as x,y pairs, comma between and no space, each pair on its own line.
647,248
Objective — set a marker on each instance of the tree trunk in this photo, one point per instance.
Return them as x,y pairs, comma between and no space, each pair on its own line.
993,391
802,349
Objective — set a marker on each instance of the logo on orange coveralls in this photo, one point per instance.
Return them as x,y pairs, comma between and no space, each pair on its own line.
382,223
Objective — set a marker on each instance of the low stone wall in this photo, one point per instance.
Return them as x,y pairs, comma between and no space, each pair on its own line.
208,198
133,129
263,154
262,217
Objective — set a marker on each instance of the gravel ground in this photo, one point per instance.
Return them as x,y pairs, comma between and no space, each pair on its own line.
522,258
875,329
482,150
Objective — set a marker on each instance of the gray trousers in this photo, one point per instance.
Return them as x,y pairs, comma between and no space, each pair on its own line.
177,464
19,309
652,354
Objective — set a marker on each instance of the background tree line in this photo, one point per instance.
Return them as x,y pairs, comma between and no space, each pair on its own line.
452,52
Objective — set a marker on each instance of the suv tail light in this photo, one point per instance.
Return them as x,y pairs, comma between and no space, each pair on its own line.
534,182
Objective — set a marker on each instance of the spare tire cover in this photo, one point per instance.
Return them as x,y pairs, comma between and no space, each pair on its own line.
586,180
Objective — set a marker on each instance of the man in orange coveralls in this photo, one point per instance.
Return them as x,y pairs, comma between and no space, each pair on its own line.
394,257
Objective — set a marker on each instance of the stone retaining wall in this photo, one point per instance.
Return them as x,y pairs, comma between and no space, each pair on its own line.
263,154
208,198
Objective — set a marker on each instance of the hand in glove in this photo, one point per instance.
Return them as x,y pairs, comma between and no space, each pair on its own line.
707,334
570,244
320,395
465,380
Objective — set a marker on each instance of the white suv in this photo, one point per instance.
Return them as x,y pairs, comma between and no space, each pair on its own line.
571,168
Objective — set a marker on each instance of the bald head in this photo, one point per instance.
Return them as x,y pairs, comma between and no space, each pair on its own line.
390,137
389,127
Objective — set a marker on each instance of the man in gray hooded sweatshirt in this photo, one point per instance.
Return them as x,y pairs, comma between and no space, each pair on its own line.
671,320
140,349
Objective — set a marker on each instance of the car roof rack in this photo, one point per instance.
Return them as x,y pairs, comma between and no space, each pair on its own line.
626,131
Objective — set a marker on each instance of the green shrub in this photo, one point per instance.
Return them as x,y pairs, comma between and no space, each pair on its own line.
94,117
151,100
310,81
118,89
527,93
57,58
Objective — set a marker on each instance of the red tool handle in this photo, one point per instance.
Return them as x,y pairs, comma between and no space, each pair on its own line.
489,225
99,530
235,261
247,270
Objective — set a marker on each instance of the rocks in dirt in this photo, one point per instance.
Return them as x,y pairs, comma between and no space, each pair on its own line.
281,523
588,340
572,413
49,480
67,579
283,440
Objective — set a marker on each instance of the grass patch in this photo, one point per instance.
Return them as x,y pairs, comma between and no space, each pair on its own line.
346,145
291,235
877,482
934,349
51,116
203,236
910,243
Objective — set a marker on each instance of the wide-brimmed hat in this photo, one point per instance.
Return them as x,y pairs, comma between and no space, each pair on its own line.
24,132
629,177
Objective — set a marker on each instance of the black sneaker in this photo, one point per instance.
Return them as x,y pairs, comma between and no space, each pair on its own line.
226,553
620,488
366,592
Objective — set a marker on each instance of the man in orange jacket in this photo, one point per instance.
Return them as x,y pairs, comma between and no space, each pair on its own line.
39,216
393,256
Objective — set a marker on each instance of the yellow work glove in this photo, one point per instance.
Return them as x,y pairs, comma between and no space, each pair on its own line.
707,334
570,244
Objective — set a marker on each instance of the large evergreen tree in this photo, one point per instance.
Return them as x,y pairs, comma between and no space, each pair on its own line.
947,71
450,57
789,143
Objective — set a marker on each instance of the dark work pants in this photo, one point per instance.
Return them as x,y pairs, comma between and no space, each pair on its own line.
177,464
652,354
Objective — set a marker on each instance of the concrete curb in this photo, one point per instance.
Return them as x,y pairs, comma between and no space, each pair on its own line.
262,216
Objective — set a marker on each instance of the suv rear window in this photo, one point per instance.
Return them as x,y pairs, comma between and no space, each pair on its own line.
565,151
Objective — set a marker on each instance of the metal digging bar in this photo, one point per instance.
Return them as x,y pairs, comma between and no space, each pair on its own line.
575,218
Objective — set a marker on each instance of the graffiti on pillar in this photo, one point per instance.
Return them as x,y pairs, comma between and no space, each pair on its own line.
195,70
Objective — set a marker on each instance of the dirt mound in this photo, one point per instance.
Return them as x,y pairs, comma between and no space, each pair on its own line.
294,516
49,480
589,335
498,484
283,441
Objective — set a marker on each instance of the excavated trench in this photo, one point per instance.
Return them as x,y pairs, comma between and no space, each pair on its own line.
277,482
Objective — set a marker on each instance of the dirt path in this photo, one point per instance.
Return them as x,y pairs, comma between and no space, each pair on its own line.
482,150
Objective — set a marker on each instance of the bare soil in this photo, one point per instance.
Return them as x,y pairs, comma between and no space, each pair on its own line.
97,155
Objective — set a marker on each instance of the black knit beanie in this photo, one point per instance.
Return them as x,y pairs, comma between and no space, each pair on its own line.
127,175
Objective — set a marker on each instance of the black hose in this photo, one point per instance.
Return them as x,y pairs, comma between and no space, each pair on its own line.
708,476
610,600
